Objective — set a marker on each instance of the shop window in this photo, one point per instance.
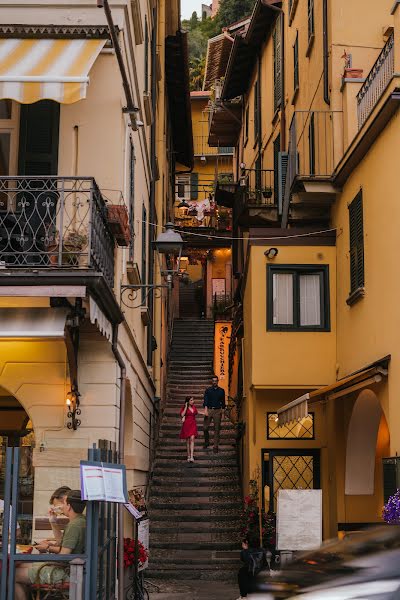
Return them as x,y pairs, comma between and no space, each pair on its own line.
356,248
303,429
298,298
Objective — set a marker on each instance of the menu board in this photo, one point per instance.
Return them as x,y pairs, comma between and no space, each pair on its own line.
103,482
299,519
143,537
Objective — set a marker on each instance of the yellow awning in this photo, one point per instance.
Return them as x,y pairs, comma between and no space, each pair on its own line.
39,69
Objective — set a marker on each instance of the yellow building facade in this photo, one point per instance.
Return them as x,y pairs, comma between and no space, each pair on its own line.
314,365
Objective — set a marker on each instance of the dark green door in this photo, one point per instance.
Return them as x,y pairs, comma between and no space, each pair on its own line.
38,139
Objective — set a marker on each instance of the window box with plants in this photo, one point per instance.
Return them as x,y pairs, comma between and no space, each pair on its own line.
118,220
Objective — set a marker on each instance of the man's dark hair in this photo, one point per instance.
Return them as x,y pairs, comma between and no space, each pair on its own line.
74,499
214,377
60,493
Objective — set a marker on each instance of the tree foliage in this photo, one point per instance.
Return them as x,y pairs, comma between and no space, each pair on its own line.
201,30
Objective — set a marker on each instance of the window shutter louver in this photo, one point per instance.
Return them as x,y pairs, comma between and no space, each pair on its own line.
38,144
391,476
283,161
356,243
277,65
194,186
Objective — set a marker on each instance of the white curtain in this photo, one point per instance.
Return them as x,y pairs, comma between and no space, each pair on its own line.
282,298
310,300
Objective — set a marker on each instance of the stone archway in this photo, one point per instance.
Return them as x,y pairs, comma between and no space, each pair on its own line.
16,430
366,419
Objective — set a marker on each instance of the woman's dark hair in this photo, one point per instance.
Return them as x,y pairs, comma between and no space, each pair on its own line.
187,399
253,541
74,499
59,493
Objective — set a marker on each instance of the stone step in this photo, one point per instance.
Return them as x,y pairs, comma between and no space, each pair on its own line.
200,454
198,484
198,556
189,492
177,445
194,527
206,574
195,502
190,516
178,537
216,545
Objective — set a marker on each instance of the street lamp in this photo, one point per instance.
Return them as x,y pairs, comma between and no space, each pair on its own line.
168,246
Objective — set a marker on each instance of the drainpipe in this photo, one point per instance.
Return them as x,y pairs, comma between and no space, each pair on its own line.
121,451
152,199
325,50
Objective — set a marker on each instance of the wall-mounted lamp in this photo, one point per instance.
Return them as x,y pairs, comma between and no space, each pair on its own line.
271,253
72,402
183,204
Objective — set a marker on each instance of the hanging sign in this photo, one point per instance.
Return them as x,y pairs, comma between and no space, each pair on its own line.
222,339
143,537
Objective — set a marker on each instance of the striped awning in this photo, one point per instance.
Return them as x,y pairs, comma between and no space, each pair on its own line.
46,69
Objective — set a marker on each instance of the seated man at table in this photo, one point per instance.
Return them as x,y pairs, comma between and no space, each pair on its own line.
73,542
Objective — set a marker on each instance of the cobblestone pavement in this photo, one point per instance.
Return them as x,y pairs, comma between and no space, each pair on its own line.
195,590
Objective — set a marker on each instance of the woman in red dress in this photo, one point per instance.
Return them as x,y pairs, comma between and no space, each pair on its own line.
189,426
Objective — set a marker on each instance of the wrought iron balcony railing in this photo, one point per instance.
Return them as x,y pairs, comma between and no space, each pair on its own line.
258,186
376,82
55,222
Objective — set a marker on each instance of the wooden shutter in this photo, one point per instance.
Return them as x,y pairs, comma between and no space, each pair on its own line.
38,142
391,476
132,161
277,147
283,161
296,63
194,186
255,109
277,64
310,18
311,143
356,243
146,55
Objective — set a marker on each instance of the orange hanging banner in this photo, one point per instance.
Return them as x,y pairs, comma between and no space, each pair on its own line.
222,339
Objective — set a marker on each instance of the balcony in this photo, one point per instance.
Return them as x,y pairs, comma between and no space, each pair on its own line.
376,83
256,201
61,224
315,148
201,147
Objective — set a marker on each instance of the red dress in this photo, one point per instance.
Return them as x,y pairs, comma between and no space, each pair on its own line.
189,426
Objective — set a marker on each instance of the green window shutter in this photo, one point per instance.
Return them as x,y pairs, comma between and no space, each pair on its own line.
194,186
277,64
38,142
356,243
283,161
391,476
132,161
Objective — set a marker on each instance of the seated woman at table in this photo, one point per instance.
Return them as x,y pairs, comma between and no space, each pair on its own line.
72,542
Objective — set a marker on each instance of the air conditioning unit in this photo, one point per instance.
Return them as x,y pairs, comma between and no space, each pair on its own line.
391,476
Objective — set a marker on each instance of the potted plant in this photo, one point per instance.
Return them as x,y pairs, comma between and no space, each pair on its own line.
267,192
73,244
391,510
129,560
52,242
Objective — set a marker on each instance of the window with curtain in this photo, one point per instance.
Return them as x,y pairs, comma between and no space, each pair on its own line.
298,298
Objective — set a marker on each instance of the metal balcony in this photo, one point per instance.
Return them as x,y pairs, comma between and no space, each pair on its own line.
55,223
201,147
258,187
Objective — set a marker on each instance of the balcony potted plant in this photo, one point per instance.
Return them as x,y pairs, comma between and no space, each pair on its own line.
52,241
73,244
118,220
267,192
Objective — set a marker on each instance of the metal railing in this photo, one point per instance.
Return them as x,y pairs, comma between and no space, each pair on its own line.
55,222
376,82
258,186
201,147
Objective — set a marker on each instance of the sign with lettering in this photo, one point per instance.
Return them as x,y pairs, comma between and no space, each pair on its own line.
222,339
299,519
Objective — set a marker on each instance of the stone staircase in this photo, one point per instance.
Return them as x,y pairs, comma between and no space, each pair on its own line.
194,508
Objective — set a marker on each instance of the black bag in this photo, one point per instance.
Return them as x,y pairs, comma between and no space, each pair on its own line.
256,562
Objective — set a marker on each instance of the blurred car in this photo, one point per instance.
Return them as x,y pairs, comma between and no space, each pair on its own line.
361,566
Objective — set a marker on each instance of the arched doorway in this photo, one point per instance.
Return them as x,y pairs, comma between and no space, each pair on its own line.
16,430
368,441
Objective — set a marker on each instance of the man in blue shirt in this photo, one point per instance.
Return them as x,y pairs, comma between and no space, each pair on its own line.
214,404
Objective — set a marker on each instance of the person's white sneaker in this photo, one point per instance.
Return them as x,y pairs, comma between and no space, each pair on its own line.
242,598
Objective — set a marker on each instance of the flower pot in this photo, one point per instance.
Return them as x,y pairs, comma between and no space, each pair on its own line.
52,249
118,221
353,73
267,193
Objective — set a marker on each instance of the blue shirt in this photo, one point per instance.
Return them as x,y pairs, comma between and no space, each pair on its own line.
214,397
